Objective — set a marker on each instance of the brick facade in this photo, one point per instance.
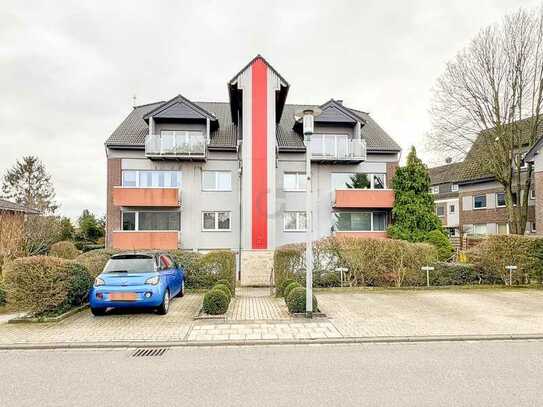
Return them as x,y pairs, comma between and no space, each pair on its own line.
113,212
391,171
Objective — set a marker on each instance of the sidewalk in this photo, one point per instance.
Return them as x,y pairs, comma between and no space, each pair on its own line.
255,317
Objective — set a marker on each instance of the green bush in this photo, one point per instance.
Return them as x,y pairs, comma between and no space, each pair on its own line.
441,242
224,288
64,250
290,287
328,279
494,253
296,300
2,293
95,260
215,302
205,270
227,283
44,284
280,288
454,274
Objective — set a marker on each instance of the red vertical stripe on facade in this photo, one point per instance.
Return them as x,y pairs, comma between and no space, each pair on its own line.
260,156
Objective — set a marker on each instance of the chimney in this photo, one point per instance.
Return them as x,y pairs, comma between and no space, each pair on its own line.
448,160
340,101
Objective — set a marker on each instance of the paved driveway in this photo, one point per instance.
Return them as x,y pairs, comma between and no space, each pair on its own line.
434,312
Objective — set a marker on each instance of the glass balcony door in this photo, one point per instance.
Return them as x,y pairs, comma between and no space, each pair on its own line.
330,145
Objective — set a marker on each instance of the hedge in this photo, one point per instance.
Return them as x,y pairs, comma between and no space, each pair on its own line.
206,270
494,253
45,284
64,249
2,292
95,260
371,262
454,274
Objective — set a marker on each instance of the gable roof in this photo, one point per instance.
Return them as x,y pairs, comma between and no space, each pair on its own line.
444,174
130,134
258,56
13,207
179,107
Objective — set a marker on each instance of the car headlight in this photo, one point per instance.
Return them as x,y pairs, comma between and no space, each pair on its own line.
153,280
98,281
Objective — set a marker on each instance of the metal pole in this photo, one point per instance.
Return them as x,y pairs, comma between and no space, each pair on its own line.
427,277
309,225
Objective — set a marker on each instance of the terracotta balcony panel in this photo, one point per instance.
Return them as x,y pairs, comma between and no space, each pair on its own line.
169,197
375,235
364,198
145,240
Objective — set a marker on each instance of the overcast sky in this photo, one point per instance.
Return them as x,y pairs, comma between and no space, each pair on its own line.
68,71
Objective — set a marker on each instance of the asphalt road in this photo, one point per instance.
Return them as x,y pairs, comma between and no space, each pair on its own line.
421,374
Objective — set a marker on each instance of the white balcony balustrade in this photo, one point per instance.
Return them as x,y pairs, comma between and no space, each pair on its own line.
335,147
176,145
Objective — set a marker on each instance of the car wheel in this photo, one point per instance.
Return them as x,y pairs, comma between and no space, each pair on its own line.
181,292
98,311
165,306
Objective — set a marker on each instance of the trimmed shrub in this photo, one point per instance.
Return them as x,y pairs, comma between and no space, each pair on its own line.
328,279
280,288
290,287
205,270
441,242
44,284
215,302
296,300
494,253
64,249
454,274
224,288
227,283
95,260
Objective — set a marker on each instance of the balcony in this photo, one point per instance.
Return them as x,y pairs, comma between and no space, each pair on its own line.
163,197
176,145
364,198
330,149
145,240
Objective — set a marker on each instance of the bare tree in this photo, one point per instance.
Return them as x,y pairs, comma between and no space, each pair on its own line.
11,236
489,101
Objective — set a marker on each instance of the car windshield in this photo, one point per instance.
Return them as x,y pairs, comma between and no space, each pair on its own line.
130,264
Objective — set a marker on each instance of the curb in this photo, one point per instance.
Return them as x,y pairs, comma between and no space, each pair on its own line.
323,341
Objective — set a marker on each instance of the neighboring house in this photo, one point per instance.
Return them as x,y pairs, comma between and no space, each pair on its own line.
533,155
231,175
12,217
480,199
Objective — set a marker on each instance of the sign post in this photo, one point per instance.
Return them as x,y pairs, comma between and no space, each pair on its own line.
342,271
511,269
427,269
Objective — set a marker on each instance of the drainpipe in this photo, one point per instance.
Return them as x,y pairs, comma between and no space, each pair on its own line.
240,176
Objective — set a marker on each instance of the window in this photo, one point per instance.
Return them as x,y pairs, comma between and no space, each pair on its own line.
500,199
216,221
434,190
479,201
294,181
295,222
358,181
532,193
514,198
151,220
532,227
360,221
502,229
479,229
454,187
330,145
151,179
216,180
440,211
129,220
452,208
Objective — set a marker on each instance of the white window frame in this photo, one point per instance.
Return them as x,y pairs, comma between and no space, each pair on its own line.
216,229
532,194
506,227
434,190
137,221
480,224
298,222
449,206
533,227
216,189
454,187
371,222
444,211
180,174
370,176
301,181
482,207
500,206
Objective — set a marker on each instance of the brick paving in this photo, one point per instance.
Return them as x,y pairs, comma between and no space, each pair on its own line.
254,316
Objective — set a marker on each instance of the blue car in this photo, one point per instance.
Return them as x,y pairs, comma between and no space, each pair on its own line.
135,280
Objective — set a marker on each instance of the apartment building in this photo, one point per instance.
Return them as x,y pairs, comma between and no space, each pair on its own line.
470,202
231,175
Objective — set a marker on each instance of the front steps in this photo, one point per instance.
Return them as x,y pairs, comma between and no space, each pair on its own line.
256,268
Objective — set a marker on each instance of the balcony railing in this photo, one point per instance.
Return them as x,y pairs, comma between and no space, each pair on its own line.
337,148
179,145
364,198
152,197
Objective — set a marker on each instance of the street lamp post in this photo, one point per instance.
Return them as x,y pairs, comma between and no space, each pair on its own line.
307,116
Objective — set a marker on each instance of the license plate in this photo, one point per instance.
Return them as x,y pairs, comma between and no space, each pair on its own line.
123,297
